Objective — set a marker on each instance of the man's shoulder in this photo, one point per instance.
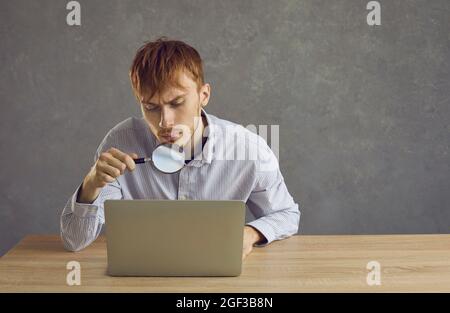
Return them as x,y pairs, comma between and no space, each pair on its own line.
129,125
220,122
227,126
125,134
235,136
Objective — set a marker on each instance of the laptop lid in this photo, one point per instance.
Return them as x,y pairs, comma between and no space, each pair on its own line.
174,237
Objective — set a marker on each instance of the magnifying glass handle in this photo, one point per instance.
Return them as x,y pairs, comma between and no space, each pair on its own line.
141,160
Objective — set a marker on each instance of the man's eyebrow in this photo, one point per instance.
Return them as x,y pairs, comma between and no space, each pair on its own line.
176,98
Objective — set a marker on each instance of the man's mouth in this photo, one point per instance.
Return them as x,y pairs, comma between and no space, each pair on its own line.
171,137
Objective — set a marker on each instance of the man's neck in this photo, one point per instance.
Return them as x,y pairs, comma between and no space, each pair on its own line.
197,146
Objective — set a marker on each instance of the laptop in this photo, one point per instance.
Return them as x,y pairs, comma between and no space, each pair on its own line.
174,237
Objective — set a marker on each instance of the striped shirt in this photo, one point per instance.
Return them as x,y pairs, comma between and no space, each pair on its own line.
213,174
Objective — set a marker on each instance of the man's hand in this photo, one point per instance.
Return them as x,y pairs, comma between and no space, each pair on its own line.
110,165
251,237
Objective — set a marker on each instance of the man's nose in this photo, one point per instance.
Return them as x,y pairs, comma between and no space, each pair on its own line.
167,117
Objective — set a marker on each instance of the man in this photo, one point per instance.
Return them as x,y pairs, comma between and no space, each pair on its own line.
167,79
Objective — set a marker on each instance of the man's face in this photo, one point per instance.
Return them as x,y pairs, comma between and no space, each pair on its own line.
174,115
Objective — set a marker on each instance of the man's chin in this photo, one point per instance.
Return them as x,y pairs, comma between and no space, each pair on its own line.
176,141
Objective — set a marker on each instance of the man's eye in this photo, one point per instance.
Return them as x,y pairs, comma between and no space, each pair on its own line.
175,104
151,108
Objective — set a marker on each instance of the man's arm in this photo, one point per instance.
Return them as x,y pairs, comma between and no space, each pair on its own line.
277,215
81,223
83,216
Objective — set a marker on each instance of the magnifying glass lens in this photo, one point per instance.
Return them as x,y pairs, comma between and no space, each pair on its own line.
168,158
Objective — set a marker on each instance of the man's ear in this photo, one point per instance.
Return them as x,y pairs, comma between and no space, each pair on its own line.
206,92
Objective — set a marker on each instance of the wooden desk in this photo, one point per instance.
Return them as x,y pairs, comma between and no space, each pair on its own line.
298,264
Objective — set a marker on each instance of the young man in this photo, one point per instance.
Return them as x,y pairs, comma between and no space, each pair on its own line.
167,79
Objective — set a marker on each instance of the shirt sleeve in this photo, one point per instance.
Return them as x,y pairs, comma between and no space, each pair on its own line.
277,216
81,223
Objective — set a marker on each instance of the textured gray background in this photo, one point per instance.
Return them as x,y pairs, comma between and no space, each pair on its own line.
363,111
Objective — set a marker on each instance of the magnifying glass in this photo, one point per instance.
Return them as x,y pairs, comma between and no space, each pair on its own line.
167,157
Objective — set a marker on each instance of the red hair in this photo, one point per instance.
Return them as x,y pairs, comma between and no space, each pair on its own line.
158,64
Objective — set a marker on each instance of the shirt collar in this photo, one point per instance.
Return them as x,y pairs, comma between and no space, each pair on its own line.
207,151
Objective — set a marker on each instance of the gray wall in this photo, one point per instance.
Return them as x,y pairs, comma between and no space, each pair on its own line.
363,111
